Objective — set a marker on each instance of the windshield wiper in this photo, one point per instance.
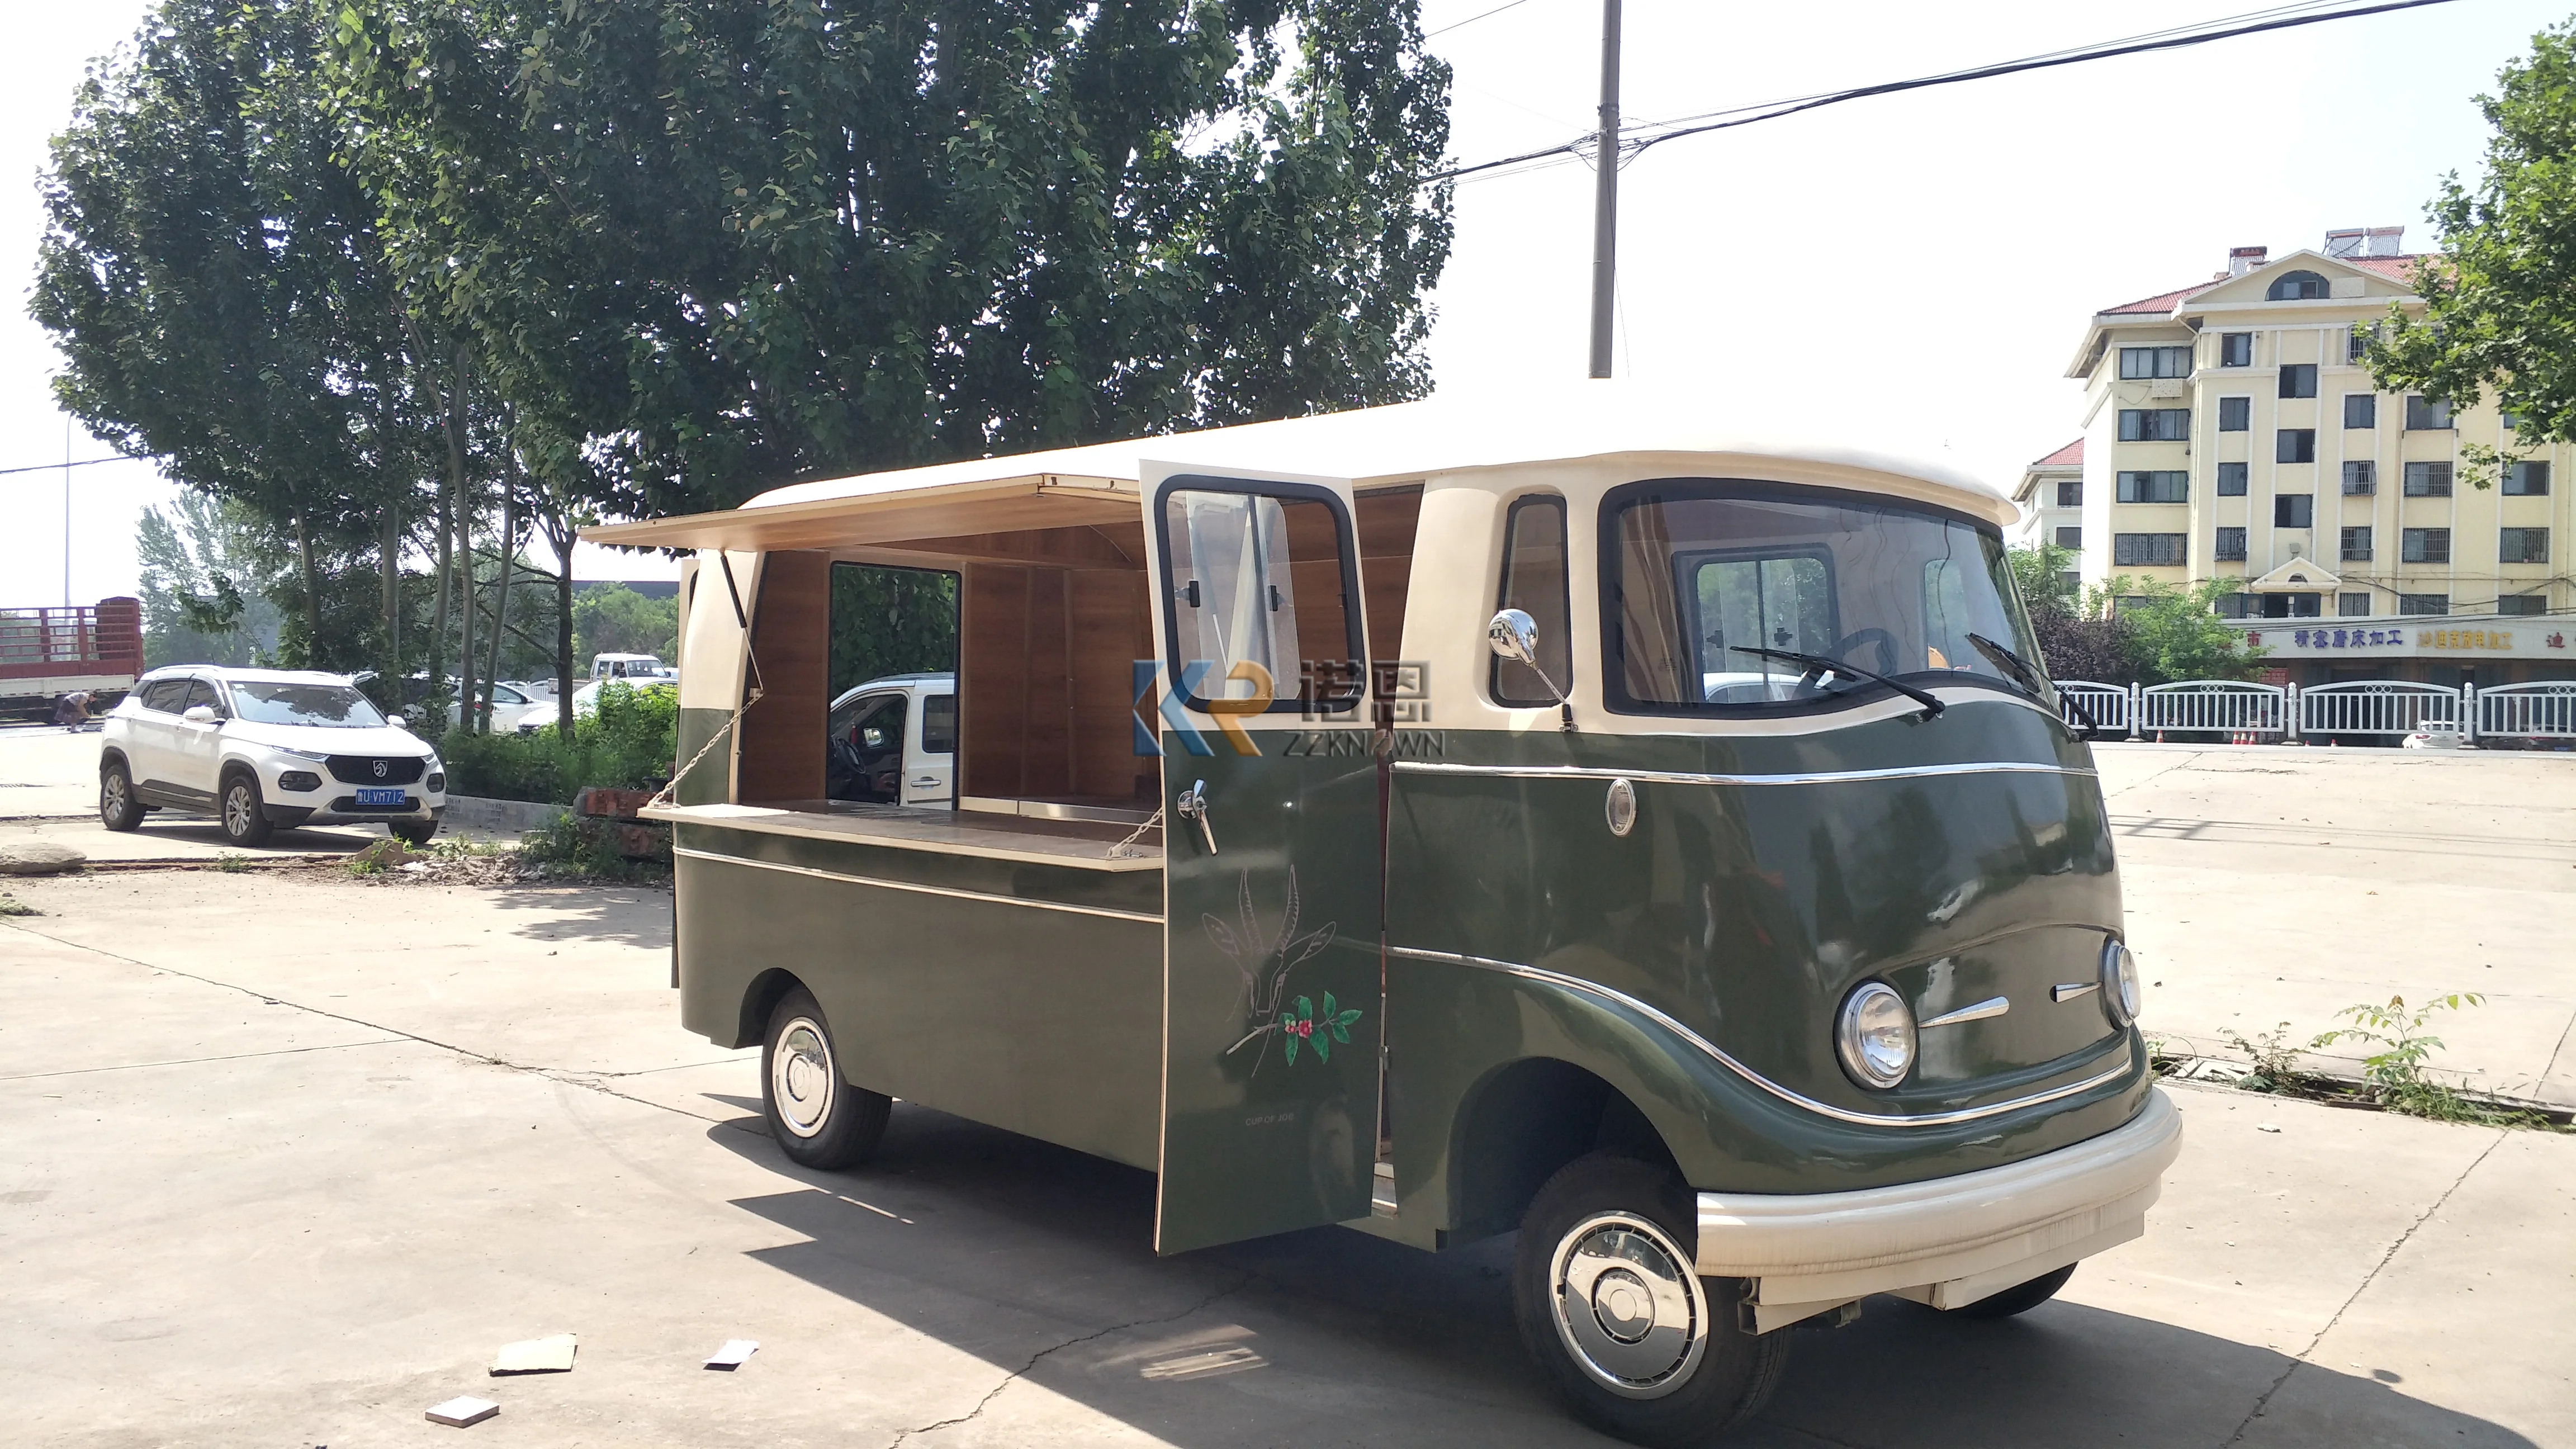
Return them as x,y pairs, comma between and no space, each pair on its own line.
2019,668
1827,665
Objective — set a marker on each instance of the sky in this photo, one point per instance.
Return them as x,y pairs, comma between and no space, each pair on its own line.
1916,268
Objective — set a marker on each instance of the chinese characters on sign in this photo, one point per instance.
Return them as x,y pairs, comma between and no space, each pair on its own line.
2442,641
2463,639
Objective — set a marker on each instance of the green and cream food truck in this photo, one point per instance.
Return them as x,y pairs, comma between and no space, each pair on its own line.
1443,820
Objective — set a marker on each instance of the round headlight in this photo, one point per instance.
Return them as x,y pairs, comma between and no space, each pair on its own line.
1875,1035
2120,994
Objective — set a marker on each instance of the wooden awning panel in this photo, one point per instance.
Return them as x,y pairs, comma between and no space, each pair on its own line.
893,516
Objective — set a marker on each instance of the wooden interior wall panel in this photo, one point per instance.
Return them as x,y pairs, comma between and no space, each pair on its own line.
1046,673
782,736
1385,523
1112,629
992,704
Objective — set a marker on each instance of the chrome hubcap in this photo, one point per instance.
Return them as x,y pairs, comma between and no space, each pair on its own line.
237,810
801,1079
1627,1305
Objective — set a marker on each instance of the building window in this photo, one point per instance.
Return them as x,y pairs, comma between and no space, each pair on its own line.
2297,287
2231,545
2426,415
2138,362
2512,422
2423,604
2357,342
2361,410
2428,480
2293,606
2235,414
2352,606
2070,493
2360,478
2424,545
2523,545
2149,550
2295,445
2072,582
2230,606
2299,379
2167,485
2236,349
2231,480
2513,604
2293,510
2071,537
2356,545
2155,425
2526,479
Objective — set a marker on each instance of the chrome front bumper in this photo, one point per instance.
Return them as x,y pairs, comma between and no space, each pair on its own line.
1946,1242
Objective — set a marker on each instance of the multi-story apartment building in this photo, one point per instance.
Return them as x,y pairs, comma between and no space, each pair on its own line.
2051,496
2231,432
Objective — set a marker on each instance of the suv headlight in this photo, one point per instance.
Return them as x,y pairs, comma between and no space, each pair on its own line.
316,756
1874,1035
2121,997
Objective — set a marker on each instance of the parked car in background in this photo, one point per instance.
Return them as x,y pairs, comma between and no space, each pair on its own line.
630,666
514,710
893,740
264,750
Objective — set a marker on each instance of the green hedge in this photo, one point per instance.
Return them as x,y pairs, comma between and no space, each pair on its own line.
628,745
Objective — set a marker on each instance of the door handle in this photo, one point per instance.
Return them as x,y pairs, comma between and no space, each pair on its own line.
1193,806
926,782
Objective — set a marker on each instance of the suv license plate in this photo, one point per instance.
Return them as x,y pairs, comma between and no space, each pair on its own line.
371,799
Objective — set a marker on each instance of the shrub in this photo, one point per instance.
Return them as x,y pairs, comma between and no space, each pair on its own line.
627,745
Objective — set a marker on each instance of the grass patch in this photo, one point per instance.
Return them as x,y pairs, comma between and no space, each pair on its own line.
579,847
12,906
628,745
2395,1078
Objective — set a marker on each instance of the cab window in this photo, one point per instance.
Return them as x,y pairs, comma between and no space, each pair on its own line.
1534,582
200,692
166,696
939,724
866,749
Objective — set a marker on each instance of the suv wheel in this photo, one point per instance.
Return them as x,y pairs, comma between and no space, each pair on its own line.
117,807
245,821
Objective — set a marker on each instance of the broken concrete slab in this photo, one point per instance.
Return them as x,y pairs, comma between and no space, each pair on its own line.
39,857
549,1355
461,1412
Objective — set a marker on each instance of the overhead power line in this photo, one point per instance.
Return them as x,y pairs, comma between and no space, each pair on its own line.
1472,19
77,463
1635,140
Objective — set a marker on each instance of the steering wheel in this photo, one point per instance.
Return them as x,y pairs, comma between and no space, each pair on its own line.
1885,641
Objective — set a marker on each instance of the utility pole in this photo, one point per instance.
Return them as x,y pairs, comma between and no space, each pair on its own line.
1605,195
67,512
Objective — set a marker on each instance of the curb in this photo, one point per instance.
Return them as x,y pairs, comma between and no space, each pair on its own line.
510,817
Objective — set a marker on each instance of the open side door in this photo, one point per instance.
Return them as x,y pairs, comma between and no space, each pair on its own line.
1273,981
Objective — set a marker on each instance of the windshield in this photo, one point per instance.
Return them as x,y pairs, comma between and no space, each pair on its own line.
1703,571
331,706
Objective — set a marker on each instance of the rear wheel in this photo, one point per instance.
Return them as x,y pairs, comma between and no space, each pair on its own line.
819,1119
1609,1305
245,818
2021,1298
118,809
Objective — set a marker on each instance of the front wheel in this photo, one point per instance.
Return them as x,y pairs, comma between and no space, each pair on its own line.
819,1119
2021,1298
1609,1305
245,819
117,807
414,835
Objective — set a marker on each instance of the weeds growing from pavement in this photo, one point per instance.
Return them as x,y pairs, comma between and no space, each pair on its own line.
232,864
583,848
12,906
2275,1060
2395,1072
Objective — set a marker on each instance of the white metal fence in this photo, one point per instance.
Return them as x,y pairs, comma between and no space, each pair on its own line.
2377,707
2212,705
2546,711
2108,704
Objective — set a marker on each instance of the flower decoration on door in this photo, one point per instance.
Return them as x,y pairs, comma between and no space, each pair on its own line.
1265,960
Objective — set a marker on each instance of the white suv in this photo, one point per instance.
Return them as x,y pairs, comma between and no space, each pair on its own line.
264,749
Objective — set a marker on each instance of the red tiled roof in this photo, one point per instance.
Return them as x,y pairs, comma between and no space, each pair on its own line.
2159,304
2068,456
2396,269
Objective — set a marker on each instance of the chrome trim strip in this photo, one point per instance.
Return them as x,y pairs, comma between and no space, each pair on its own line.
1795,1099
927,890
1991,1006
2069,990
1685,777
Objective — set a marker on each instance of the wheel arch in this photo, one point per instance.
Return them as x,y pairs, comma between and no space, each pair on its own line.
114,755
760,998
1525,1119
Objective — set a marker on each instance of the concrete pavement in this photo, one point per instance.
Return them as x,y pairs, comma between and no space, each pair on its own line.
283,1160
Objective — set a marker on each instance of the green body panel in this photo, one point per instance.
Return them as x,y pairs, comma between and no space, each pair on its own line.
711,781
1269,1127
1137,892
1041,1021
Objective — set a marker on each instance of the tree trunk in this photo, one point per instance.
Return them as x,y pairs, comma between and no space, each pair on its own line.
312,589
501,596
464,545
390,479
563,541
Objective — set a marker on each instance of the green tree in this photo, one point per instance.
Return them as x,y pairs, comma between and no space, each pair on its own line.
723,245
203,583
2500,299
2173,631
614,619
891,621
210,275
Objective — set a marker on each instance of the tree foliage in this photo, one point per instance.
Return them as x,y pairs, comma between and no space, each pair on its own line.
2500,299
891,621
2127,630
203,584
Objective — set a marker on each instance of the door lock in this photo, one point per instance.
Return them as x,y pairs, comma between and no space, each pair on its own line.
1193,806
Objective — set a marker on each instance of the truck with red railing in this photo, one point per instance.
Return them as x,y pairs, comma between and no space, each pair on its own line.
48,652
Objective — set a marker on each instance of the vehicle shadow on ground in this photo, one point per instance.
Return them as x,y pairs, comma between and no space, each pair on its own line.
1014,1250
339,840
637,915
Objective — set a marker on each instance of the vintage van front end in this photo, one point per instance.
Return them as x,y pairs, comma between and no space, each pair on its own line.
1569,820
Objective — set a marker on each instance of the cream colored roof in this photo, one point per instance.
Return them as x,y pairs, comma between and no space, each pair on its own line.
1406,442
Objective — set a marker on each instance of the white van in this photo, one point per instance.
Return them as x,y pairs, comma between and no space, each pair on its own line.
894,741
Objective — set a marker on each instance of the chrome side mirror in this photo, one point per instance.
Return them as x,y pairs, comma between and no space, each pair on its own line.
1512,634
200,714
